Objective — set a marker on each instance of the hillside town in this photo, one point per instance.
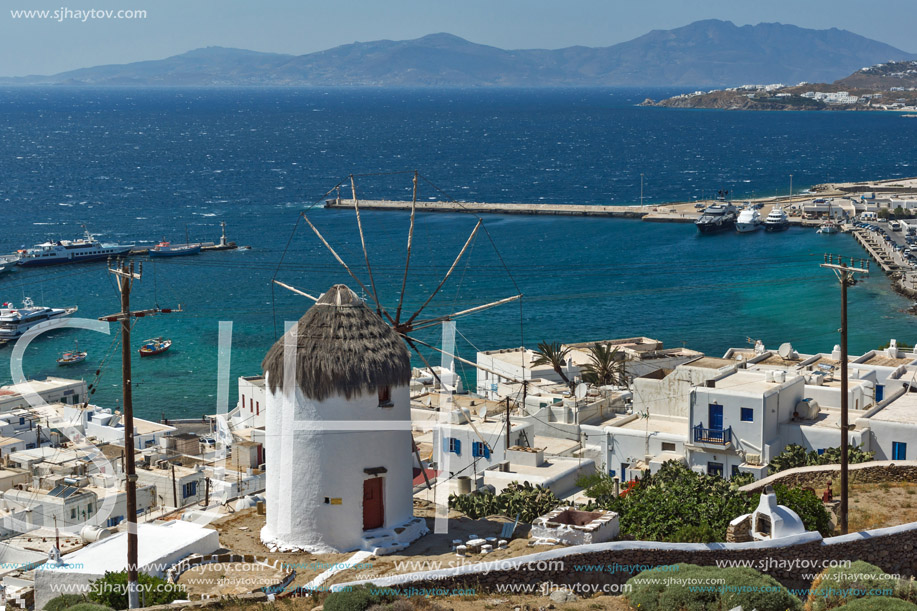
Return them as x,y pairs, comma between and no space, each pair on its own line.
403,438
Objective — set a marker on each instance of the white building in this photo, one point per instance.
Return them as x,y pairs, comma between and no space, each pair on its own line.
732,415
159,547
50,390
643,355
338,432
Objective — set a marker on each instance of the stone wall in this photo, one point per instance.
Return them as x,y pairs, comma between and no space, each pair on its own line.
817,477
893,549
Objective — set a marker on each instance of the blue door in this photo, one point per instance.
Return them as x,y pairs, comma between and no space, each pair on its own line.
716,417
880,392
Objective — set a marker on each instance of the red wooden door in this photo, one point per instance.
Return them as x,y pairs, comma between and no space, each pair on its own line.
373,511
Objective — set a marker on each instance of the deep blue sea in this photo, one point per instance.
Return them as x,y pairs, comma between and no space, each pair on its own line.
141,165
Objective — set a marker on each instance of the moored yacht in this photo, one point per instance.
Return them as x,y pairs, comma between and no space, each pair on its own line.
16,321
84,249
749,220
777,220
717,217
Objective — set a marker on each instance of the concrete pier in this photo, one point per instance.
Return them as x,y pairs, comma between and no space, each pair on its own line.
631,212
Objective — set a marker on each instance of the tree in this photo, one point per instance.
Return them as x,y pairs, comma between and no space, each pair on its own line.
555,355
606,366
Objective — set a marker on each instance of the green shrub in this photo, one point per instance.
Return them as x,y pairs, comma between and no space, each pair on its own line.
675,498
691,533
838,586
64,601
676,504
111,590
807,506
795,455
878,603
85,606
525,500
741,586
357,598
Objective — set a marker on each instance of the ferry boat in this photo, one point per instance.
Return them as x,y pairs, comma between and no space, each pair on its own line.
157,345
717,217
72,357
81,250
166,249
749,220
16,321
777,220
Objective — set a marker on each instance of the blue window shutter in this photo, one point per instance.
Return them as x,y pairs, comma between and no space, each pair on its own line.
486,452
458,446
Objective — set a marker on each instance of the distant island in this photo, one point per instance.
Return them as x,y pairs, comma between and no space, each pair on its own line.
707,54
888,86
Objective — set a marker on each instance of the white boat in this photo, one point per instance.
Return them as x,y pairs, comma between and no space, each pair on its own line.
16,321
749,220
3,268
167,249
71,251
828,227
777,220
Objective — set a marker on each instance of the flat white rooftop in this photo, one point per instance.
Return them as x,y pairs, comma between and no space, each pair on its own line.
902,410
155,542
659,424
749,383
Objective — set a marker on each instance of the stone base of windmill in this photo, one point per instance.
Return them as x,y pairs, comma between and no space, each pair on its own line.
380,541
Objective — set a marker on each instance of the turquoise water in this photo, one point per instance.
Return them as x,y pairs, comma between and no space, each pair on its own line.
137,166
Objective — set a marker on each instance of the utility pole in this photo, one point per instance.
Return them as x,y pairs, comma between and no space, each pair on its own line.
791,186
507,423
174,488
845,274
126,277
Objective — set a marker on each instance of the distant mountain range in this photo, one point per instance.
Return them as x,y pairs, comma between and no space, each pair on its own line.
709,53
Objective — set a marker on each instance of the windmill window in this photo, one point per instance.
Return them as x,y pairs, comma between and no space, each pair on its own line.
385,396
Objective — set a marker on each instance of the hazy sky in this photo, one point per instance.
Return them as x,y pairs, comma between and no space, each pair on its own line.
46,46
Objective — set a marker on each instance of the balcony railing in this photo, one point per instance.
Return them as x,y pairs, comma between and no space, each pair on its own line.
714,436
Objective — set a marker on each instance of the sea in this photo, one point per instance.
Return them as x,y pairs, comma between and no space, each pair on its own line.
138,166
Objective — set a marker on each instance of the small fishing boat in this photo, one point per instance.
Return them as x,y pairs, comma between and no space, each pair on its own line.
72,357
157,345
828,227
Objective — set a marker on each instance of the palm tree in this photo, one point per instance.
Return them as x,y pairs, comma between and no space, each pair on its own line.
606,366
555,355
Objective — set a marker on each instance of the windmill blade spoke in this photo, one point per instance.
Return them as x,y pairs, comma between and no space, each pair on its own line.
422,324
295,290
458,358
349,271
449,273
407,262
369,269
422,358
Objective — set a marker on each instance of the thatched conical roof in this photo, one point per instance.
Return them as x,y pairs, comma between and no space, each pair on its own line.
342,347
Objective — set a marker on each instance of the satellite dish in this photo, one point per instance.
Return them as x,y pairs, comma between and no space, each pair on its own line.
580,391
482,413
785,350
